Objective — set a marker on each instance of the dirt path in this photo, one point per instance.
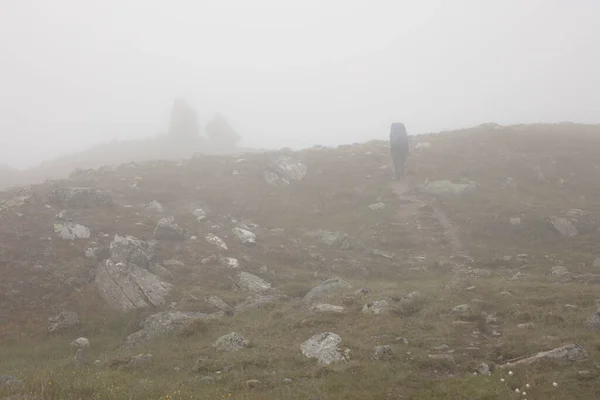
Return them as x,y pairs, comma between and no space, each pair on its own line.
413,204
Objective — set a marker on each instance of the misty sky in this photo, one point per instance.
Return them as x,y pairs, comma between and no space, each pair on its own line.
74,73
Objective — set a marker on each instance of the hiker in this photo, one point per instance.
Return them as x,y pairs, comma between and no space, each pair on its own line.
399,148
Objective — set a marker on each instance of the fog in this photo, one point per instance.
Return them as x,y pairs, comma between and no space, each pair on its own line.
74,73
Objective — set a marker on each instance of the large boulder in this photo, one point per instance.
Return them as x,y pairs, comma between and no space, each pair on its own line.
72,231
282,170
329,286
79,197
252,283
163,323
564,226
245,236
324,347
183,125
221,134
64,322
232,342
128,249
128,287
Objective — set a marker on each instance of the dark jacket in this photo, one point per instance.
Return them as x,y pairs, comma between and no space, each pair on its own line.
399,138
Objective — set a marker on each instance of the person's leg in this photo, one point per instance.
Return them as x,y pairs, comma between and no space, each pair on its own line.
396,159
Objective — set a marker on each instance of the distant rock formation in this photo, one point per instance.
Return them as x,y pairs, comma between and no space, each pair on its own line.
184,121
221,134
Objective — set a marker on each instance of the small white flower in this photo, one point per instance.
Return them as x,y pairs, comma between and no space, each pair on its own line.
510,373
528,386
502,380
517,390
475,373
554,384
524,393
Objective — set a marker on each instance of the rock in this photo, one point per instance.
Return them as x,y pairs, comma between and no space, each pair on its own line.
483,369
93,251
423,146
593,321
81,359
376,307
217,241
219,303
323,347
377,206
183,124
383,353
200,214
446,187
522,259
527,325
462,308
585,375
338,240
327,308
221,134
128,249
329,286
127,287
81,343
229,262
8,380
245,236
576,213
167,229
79,197
232,342
166,322
596,263
155,206
384,254
516,221
287,381
363,292
568,353
72,231
64,322
252,283
410,304
519,276
282,170
561,273
564,226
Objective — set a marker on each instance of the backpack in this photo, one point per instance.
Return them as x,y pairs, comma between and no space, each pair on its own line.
398,133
